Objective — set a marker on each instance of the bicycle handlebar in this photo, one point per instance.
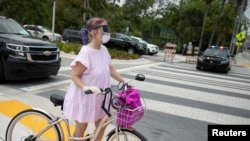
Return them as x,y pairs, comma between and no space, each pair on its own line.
121,86
102,91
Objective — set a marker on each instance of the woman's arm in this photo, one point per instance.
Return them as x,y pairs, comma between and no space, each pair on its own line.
114,74
76,74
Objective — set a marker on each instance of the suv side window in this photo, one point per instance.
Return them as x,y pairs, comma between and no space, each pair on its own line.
29,27
118,36
70,35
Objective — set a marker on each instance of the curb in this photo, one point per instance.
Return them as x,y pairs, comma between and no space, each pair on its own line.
67,55
132,62
246,64
115,61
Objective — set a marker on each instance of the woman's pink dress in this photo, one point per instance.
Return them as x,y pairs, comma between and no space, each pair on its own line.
79,106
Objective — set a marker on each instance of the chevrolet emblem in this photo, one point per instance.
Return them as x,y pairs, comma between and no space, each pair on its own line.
47,53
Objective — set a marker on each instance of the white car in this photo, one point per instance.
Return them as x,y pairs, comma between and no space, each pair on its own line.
42,32
151,48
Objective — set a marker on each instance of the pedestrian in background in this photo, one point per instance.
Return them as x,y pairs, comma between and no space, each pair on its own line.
91,70
184,48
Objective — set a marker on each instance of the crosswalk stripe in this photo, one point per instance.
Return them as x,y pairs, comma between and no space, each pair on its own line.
137,67
185,75
193,95
204,75
201,80
191,83
43,86
195,113
64,69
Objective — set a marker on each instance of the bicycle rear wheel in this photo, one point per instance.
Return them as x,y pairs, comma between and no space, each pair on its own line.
126,135
26,124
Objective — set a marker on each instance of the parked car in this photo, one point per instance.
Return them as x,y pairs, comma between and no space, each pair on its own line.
125,42
215,58
71,36
23,56
42,32
151,48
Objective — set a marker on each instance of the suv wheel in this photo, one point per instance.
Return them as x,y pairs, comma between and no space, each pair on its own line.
45,38
227,70
131,50
147,52
1,72
198,67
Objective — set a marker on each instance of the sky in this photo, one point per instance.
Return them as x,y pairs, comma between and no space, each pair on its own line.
247,12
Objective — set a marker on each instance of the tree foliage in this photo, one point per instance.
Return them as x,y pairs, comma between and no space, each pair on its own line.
146,18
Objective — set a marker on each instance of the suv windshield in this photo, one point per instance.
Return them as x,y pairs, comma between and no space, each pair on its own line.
122,36
44,29
216,51
11,27
128,38
143,41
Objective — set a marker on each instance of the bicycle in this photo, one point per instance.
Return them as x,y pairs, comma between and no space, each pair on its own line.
39,125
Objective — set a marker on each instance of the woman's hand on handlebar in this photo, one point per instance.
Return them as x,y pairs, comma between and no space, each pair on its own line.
91,90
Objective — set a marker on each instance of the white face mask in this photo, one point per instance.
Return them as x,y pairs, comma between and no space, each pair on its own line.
105,37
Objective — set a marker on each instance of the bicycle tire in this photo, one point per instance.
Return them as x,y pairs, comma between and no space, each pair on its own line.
126,135
27,123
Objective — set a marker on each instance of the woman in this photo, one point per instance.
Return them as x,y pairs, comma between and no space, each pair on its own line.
91,70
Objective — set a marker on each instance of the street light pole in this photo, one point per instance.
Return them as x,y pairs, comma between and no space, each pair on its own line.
53,19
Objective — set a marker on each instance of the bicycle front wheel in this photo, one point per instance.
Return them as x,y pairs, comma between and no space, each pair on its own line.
126,135
28,123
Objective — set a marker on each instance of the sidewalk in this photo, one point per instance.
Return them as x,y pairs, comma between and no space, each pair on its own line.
115,61
243,59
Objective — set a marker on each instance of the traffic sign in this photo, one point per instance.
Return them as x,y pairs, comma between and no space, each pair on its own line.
241,36
239,44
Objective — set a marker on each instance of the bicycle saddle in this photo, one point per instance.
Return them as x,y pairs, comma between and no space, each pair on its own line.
57,100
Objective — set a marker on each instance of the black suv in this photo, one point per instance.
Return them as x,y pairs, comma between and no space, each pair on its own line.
117,40
215,58
125,42
24,57
71,36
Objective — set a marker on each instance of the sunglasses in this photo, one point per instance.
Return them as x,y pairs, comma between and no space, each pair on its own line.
105,28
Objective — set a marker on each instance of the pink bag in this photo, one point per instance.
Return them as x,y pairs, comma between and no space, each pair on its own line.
130,98
132,109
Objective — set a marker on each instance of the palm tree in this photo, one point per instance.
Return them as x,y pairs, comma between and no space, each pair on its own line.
208,3
216,22
181,2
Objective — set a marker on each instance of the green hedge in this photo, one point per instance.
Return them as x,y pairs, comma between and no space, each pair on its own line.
115,53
